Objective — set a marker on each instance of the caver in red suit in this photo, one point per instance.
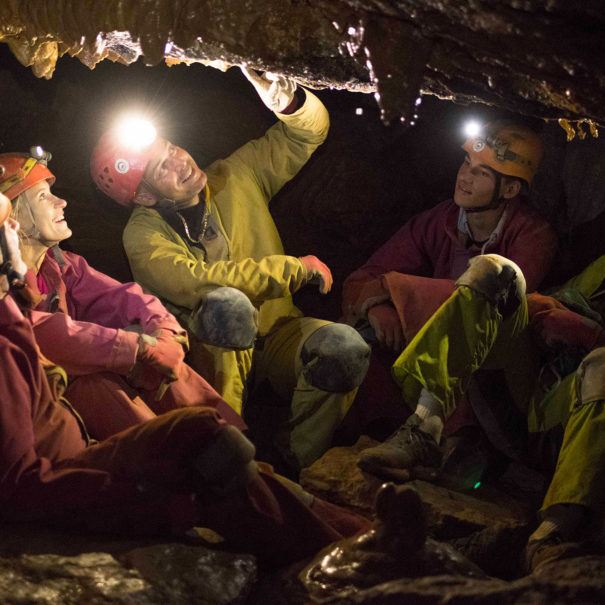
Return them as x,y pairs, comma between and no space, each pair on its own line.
182,469
121,348
80,324
406,280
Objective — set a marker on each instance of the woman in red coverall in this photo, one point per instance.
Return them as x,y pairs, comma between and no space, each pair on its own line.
185,468
121,348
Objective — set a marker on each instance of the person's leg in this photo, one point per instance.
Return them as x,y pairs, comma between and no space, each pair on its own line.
302,358
574,413
226,371
191,451
192,390
480,324
107,403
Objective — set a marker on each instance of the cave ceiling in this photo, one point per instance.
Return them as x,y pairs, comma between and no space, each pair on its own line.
543,58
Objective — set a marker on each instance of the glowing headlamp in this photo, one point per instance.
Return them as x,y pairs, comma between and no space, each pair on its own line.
41,156
472,129
136,133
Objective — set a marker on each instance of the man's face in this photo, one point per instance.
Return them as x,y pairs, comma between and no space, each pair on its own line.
475,184
47,211
173,173
11,228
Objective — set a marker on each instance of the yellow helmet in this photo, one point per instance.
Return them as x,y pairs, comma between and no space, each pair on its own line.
507,148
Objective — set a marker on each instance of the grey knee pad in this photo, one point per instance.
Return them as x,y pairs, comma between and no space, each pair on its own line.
497,278
590,377
335,358
227,463
226,318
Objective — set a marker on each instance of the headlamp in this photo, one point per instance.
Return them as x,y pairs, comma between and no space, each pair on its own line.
135,133
472,129
41,156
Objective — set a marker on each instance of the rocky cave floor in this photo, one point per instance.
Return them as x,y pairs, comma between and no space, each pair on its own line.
489,525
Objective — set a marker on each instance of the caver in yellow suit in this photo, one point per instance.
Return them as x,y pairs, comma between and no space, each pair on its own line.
316,363
484,324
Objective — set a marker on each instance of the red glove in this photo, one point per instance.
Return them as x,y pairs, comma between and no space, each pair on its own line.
163,352
537,303
564,327
387,325
316,270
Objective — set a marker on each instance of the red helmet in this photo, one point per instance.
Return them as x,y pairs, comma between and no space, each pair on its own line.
116,168
20,171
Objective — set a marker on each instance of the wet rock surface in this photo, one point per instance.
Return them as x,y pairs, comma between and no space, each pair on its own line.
44,566
542,59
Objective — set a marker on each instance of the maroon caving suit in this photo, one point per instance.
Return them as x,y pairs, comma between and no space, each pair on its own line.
79,324
138,481
417,268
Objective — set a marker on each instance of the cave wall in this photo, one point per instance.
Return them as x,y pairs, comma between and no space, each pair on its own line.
364,182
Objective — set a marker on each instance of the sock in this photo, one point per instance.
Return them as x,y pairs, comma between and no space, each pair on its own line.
561,518
430,412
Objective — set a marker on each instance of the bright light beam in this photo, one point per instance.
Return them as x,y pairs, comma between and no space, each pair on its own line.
472,129
136,132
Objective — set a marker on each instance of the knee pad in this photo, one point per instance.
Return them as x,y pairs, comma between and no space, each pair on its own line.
226,464
590,377
226,318
335,358
498,279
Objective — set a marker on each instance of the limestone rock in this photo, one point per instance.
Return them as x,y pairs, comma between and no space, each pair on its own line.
85,578
194,574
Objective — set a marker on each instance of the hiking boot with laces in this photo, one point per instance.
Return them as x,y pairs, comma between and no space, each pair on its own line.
407,448
552,547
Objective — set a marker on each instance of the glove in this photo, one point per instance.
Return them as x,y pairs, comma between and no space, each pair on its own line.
316,270
387,326
276,92
567,328
163,352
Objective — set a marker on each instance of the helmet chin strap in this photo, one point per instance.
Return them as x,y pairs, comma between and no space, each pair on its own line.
495,202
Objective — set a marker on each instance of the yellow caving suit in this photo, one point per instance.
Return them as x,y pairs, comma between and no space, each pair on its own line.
253,261
565,423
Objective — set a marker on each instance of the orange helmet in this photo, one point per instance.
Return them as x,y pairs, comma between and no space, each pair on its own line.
507,148
20,171
116,168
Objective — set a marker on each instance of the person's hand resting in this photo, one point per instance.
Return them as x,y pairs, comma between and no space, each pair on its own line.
387,326
276,92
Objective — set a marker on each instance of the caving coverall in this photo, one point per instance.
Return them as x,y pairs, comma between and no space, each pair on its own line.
139,481
242,249
80,325
565,408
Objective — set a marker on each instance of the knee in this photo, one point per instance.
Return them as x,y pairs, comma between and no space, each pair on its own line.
498,279
226,464
590,377
226,318
335,358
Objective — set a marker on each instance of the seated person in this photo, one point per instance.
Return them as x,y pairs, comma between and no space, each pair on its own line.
183,469
404,282
195,233
83,319
485,325
487,214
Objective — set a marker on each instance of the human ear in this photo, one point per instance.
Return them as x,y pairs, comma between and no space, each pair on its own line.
511,188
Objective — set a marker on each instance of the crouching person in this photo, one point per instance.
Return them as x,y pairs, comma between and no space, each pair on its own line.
183,469
121,348
484,325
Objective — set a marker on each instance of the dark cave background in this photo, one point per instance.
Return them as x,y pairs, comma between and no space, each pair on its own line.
356,190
